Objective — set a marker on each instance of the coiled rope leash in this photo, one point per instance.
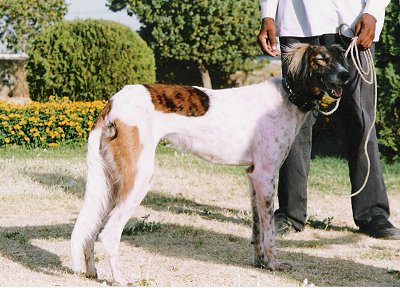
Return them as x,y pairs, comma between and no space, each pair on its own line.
355,57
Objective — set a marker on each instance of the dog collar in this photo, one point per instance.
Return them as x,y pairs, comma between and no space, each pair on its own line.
305,104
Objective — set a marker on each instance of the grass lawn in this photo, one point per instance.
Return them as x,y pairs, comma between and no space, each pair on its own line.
192,229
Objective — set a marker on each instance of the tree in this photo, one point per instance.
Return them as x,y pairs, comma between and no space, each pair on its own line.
19,19
218,33
388,73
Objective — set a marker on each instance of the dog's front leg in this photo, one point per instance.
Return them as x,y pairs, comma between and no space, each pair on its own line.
264,247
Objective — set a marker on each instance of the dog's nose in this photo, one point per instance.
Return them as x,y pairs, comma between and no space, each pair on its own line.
344,76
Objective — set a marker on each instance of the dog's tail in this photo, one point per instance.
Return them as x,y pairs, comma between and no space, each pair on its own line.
96,204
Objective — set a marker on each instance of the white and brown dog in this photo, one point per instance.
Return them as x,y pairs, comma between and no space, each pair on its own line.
251,126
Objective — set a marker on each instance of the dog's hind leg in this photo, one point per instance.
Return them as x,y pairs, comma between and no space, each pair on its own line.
95,208
130,156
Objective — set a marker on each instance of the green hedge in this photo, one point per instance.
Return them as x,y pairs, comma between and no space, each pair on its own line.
388,73
87,60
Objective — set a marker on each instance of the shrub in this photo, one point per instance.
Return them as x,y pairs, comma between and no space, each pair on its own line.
87,60
47,124
388,73
21,19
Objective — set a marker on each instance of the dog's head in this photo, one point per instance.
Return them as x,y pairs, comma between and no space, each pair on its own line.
317,70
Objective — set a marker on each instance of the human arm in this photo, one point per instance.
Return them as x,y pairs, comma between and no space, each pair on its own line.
267,35
365,30
366,23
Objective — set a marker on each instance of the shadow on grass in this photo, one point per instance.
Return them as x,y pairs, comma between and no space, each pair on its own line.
194,243
180,205
207,246
70,185
325,224
202,245
15,245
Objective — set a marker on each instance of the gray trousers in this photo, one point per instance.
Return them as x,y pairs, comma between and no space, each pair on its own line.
356,111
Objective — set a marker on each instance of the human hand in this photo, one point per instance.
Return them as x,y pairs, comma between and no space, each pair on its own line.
267,37
365,30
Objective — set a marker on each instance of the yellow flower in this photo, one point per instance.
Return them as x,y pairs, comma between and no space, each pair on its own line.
7,140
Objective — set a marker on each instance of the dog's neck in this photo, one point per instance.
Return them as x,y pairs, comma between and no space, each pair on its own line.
304,102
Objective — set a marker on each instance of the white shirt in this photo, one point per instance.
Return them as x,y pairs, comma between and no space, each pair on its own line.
305,18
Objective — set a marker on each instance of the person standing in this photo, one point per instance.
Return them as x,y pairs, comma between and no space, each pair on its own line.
317,23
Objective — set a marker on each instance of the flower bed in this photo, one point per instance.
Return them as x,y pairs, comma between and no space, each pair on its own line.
47,124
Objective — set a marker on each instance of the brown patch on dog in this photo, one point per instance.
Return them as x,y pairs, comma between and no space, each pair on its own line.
120,147
294,55
103,113
182,100
319,57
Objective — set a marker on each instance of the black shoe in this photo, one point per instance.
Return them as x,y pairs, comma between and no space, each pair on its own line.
283,225
380,227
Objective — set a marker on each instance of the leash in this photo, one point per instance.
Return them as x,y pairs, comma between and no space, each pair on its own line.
327,113
355,57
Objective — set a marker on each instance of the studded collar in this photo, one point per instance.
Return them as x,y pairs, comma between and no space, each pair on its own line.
303,102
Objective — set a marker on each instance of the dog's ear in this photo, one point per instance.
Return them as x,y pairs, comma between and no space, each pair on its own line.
297,58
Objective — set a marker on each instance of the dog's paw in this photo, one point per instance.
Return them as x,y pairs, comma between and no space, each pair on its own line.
260,262
121,282
91,272
280,266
